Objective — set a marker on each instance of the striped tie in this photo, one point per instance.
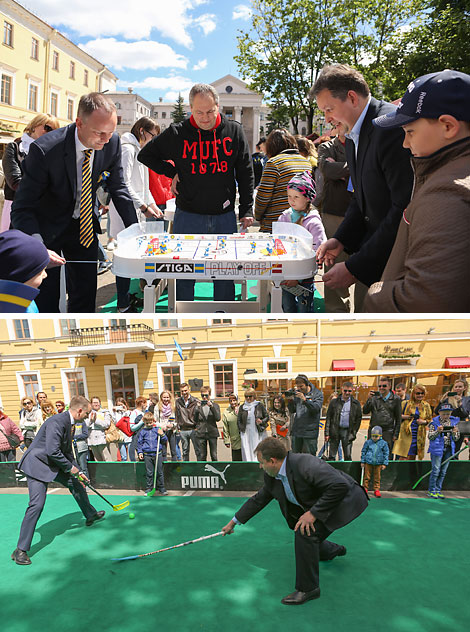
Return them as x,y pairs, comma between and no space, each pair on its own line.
86,203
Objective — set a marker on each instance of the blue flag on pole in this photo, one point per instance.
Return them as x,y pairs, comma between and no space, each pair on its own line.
178,349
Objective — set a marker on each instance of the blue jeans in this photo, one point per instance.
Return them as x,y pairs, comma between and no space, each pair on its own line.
122,447
438,471
298,304
225,224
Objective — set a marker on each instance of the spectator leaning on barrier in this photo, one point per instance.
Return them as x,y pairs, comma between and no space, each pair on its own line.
184,410
385,411
231,432
206,416
343,420
305,402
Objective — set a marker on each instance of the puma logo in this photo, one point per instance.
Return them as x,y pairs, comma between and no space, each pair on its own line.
210,468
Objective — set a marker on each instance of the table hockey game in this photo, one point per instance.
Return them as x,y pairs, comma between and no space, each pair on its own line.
145,251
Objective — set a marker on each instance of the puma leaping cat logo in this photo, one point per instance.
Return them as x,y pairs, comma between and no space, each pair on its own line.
210,468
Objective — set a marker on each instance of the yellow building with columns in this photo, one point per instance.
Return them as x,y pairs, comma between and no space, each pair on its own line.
41,71
117,357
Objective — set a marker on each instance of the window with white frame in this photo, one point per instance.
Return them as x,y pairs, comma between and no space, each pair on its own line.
221,321
55,60
54,103
223,377
66,324
34,48
33,92
70,108
122,381
167,323
6,93
22,329
72,70
74,383
8,34
170,377
29,383
277,365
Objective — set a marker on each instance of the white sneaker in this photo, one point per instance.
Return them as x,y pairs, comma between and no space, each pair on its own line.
111,245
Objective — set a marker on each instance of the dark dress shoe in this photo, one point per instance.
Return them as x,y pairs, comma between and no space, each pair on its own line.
96,517
20,557
298,597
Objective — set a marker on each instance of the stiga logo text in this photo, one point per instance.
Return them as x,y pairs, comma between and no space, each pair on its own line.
174,267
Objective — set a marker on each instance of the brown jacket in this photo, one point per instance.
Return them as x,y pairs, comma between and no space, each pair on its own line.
428,267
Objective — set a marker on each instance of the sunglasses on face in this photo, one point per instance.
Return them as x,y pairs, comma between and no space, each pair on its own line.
27,403
383,385
249,396
374,436
48,128
346,390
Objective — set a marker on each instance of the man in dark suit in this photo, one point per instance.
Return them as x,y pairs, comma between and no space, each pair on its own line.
50,458
381,176
315,499
56,198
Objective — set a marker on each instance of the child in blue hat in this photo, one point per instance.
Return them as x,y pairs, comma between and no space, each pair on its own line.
428,267
374,459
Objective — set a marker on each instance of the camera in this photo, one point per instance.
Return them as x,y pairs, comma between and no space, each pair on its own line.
447,429
375,392
290,393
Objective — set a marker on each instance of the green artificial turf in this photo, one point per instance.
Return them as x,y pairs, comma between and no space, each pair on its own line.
202,292
405,570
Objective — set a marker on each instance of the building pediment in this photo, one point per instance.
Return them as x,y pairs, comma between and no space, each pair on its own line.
232,85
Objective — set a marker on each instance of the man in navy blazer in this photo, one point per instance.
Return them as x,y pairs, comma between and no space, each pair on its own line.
50,458
314,498
47,202
381,177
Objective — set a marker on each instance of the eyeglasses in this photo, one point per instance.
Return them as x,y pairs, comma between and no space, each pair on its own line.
418,393
347,390
249,396
48,128
383,385
26,403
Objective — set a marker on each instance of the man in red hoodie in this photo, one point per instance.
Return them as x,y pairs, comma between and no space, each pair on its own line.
211,157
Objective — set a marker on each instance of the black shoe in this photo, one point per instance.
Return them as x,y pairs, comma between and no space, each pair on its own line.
20,557
163,493
104,266
96,517
298,597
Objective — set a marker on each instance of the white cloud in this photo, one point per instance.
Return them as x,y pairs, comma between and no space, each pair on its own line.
207,23
173,95
241,12
200,65
172,19
135,55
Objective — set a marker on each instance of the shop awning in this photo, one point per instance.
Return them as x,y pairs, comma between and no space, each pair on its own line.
343,365
458,363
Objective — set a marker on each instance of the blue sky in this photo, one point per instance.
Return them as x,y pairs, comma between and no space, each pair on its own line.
158,47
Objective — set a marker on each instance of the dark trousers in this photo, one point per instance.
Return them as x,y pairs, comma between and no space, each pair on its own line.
342,437
170,434
202,445
149,459
309,550
37,498
237,455
133,446
303,444
82,460
81,278
7,455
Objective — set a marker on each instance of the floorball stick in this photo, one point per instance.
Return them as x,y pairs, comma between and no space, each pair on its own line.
115,507
153,491
443,463
176,546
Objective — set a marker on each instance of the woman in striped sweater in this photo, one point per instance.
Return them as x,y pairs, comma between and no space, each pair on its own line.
284,162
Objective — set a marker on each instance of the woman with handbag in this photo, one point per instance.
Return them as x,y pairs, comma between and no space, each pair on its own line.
416,416
11,438
164,413
30,420
120,411
252,422
279,419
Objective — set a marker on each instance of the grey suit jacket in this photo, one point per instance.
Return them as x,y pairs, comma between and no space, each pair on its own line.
51,450
334,498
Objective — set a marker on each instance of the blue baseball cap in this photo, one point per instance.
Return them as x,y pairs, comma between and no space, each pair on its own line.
431,96
445,407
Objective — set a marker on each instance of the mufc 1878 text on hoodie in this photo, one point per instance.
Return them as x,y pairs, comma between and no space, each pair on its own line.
208,163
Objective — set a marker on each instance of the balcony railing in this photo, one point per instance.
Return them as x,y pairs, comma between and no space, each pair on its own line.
114,334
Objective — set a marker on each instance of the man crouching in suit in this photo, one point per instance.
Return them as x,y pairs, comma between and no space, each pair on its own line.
56,199
314,498
50,458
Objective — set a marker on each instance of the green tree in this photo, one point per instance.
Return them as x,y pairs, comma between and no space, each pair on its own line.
438,41
179,114
277,117
291,40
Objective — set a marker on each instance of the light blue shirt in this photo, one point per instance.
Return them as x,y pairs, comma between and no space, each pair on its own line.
345,411
356,130
282,476
388,396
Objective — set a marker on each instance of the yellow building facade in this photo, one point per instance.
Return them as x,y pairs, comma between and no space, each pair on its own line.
41,71
111,357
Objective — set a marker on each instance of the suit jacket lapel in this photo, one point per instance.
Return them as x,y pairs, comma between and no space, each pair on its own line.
290,478
351,159
70,158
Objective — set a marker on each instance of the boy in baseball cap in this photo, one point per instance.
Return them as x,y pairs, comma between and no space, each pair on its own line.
428,265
